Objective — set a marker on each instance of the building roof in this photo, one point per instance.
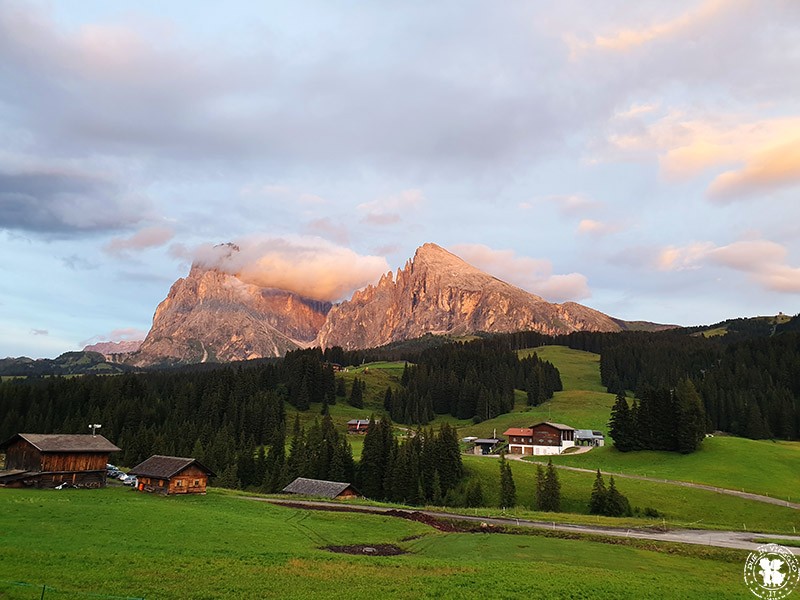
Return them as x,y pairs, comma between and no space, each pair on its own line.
358,422
522,431
488,441
317,487
164,467
556,425
588,434
64,442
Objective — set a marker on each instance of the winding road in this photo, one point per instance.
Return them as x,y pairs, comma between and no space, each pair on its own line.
720,539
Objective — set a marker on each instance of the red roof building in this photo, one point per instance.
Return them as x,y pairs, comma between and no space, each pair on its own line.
540,439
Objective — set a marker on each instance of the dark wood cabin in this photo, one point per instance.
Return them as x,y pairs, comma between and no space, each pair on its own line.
171,475
358,425
319,487
48,460
541,438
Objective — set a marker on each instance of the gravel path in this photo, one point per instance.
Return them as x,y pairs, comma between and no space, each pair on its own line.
720,539
699,486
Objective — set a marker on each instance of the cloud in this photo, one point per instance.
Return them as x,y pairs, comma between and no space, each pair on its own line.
389,210
759,155
311,267
40,332
532,274
327,228
150,237
598,228
78,263
568,205
124,334
765,170
763,261
66,204
625,40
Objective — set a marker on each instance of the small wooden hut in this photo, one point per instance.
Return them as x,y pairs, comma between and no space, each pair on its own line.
319,487
171,475
48,460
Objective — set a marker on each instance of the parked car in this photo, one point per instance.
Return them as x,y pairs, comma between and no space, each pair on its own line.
122,475
130,480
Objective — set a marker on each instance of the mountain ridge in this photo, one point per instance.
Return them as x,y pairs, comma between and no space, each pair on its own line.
211,316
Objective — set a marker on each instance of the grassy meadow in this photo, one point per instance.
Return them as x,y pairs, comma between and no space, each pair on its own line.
681,506
117,542
757,466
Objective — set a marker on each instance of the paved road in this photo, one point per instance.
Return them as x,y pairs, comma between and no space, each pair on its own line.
719,539
699,486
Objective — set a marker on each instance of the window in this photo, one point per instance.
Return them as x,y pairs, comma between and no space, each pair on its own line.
179,483
160,483
196,482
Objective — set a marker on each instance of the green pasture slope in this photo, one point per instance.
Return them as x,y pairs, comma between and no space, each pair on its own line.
117,542
757,466
682,507
583,404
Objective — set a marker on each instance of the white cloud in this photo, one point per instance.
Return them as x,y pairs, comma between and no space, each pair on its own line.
311,267
763,261
390,210
532,274
150,237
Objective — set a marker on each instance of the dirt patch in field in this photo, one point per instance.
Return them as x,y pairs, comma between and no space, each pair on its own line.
368,549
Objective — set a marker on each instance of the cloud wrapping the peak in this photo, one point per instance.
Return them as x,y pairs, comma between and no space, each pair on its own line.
532,274
311,267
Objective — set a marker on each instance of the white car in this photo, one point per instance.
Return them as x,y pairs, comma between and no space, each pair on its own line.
130,480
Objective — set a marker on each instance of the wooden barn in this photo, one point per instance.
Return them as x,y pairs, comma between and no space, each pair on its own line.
171,475
540,439
319,487
48,460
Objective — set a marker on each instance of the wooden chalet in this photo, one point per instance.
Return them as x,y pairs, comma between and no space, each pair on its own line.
319,487
357,425
540,439
171,475
48,460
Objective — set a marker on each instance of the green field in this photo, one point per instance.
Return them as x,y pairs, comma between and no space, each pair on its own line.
583,404
681,506
757,466
117,542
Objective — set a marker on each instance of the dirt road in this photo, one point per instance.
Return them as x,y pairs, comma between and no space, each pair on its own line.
720,539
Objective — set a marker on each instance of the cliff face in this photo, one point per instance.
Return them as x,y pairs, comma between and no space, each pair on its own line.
214,317
437,292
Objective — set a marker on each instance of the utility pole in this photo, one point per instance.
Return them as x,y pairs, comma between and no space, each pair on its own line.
94,427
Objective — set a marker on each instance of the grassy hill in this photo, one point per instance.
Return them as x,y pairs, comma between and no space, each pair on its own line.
583,404
757,466
681,507
117,542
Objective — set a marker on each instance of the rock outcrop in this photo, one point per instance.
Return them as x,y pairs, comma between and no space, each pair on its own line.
212,316
439,293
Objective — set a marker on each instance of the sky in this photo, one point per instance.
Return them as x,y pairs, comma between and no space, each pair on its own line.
640,157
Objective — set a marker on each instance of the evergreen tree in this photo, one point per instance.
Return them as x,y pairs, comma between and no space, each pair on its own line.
597,501
473,496
539,500
341,391
621,427
508,491
617,505
356,394
690,421
551,490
